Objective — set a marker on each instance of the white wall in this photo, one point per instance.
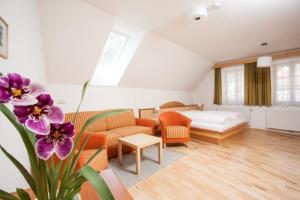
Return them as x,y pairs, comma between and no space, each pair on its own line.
259,117
98,98
74,34
161,64
25,57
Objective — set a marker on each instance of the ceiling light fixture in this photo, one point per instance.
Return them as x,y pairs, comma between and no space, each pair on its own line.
200,12
264,61
197,13
216,4
264,44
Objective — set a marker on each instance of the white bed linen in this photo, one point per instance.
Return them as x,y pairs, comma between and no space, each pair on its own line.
221,117
217,126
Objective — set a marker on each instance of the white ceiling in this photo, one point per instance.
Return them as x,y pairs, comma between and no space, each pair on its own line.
234,31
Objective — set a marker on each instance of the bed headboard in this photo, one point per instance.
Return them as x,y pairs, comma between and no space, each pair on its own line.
182,108
171,104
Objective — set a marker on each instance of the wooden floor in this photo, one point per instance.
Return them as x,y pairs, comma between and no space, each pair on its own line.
256,164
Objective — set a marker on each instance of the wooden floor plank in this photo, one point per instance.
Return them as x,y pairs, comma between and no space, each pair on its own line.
256,164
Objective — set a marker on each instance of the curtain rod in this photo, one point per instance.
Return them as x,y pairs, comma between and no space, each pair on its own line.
275,56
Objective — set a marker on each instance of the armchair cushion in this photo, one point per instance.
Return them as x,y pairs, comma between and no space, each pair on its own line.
177,132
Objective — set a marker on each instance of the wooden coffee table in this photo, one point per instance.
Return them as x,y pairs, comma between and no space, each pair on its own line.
139,142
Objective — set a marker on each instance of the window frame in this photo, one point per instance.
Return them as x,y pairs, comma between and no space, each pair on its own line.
224,73
119,52
292,82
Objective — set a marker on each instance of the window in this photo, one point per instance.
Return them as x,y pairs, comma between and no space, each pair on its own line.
233,85
287,83
115,57
113,49
297,82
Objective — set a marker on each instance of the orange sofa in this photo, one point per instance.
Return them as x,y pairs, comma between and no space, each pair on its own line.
114,127
96,141
175,127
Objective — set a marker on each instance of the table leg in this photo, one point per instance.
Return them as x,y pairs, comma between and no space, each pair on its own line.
138,161
142,153
159,152
120,152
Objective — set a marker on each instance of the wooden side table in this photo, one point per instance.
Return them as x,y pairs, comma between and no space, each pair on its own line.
139,142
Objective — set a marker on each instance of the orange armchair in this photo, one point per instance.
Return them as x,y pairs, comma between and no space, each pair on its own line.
175,127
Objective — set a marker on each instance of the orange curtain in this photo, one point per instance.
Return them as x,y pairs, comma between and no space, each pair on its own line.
218,87
257,90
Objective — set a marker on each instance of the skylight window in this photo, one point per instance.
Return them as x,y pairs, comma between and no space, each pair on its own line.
113,49
115,57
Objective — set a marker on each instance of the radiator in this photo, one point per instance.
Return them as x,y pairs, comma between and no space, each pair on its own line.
283,119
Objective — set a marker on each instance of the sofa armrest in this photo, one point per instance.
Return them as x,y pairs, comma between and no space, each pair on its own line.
145,122
96,140
99,164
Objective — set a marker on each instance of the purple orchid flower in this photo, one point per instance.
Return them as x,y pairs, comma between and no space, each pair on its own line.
58,141
18,91
38,117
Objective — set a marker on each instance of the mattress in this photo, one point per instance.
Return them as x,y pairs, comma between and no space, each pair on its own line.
221,117
218,127
218,121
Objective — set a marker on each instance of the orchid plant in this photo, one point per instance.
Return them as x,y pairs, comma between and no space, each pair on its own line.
40,123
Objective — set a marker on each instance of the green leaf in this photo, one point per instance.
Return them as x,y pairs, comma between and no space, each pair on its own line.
21,168
23,194
25,135
29,143
1,74
84,87
77,182
97,182
6,196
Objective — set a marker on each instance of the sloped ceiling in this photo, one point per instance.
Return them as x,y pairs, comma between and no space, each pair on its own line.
237,29
233,31
74,34
161,64
174,54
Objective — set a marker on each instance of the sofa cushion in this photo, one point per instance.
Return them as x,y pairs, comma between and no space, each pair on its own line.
125,118
177,132
99,163
130,130
82,117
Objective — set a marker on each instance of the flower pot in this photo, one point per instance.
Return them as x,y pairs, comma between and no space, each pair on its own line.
77,197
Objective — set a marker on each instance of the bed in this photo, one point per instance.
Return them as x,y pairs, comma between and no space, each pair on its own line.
210,126
215,126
